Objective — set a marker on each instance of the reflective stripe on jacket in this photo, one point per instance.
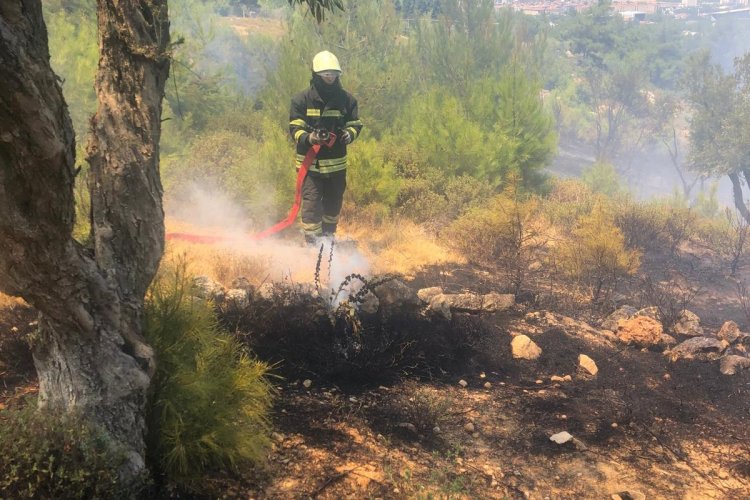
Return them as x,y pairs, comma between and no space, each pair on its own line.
309,112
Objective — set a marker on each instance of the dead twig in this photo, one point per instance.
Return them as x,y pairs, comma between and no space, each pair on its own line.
333,479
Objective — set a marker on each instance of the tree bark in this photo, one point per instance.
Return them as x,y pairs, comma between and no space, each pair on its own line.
739,199
89,352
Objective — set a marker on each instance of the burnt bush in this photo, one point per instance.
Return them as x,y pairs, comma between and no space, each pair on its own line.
304,332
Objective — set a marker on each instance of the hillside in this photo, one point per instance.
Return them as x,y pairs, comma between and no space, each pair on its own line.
460,416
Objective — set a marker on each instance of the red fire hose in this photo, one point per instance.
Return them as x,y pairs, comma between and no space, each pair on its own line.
301,174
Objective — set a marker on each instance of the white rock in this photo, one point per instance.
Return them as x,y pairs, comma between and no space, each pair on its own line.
426,294
523,347
588,364
732,363
307,383
487,385
561,437
463,383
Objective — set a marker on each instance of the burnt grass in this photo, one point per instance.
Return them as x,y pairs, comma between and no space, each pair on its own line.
668,430
641,412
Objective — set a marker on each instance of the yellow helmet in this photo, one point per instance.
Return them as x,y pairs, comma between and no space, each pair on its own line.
325,61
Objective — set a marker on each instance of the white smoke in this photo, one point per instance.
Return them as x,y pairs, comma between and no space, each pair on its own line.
205,211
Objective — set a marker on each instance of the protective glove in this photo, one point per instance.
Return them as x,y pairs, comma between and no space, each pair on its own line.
346,137
314,138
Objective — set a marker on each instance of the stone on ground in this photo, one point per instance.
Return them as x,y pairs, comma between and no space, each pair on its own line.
588,365
523,347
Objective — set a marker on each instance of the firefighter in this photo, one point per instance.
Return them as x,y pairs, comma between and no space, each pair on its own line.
324,108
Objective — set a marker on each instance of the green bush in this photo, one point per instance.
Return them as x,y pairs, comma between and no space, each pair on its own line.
370,178
655,225
53,456
210,399
602,178
568,201
504,235
596,254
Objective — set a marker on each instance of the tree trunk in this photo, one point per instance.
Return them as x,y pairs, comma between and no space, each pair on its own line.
89,352
739,199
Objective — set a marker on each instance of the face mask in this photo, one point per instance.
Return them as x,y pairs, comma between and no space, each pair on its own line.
329,76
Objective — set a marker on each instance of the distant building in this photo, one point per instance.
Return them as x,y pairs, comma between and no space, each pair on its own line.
633,15
647,7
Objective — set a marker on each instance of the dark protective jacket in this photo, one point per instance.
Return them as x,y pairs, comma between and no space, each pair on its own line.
310,112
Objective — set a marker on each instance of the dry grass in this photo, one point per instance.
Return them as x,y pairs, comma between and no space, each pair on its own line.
8,302
400,247
245,26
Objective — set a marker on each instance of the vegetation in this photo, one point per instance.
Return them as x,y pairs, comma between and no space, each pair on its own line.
209,398
463,109
596,255
48,455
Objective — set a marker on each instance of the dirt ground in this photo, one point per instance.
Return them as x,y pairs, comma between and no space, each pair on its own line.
643,427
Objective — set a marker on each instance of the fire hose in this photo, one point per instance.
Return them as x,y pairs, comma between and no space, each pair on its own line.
312,153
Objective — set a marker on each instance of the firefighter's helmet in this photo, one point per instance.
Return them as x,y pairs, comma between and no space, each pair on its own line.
325,61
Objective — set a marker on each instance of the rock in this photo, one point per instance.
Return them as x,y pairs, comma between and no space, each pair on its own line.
624,312
729,331
469,427
640,330
487,385
732,363
525,348
688,324
557,378
702,348
445,304
370,304
667,340
207,288
265,291
463,383
242,283
588,364
408,426
237,298
561,437
436,430
426,294
307,383
396,294
650,312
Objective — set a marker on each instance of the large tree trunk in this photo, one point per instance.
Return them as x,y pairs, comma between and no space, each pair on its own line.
89,353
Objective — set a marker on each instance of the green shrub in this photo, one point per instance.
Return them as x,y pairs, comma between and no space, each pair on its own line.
504,235
727,236
655,225
464,193
595,253
210,399
567,202
602,178
53,456
370,178
419,201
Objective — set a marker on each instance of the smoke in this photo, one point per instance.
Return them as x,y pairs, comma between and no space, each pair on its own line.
207,211
207,207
